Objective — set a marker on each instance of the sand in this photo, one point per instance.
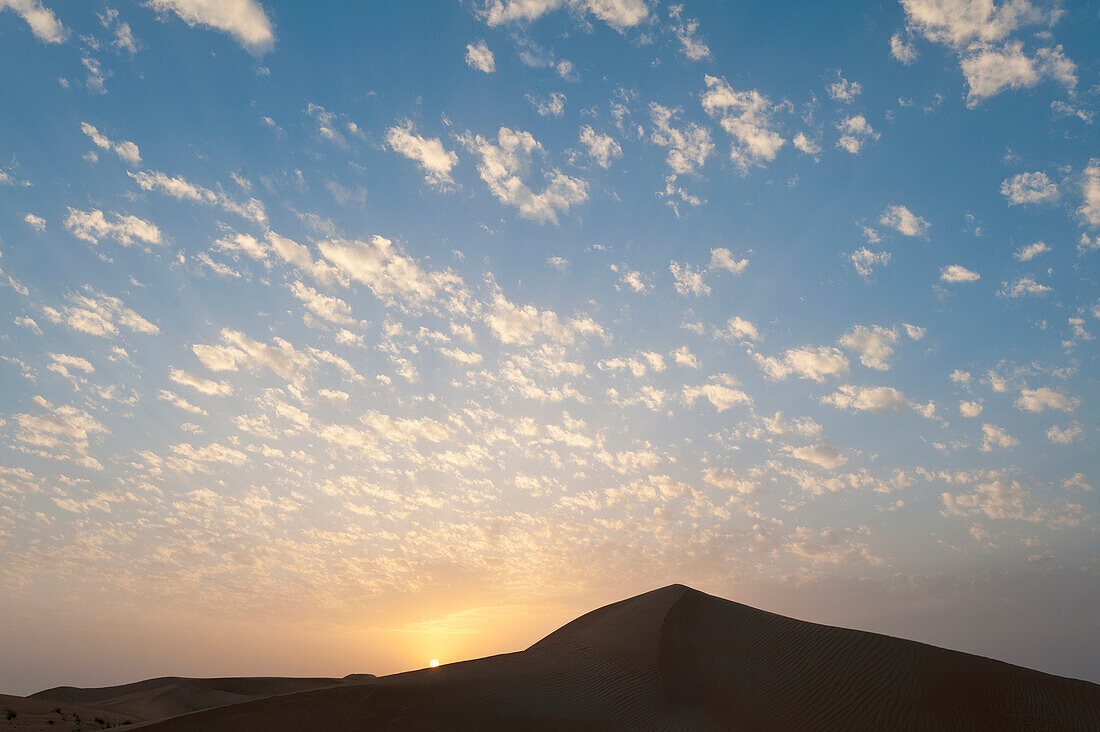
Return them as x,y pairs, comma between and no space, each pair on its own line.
676,658
26,713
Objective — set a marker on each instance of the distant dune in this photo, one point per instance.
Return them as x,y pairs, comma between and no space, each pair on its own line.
676,658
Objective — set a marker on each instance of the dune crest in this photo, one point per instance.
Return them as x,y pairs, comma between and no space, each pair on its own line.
676,658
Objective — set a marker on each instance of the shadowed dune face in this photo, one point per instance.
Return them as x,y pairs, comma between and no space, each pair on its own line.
171,696
676,658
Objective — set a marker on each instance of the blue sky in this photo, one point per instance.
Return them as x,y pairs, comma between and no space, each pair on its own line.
433,326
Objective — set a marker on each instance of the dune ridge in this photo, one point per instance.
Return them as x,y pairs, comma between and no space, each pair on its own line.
676,658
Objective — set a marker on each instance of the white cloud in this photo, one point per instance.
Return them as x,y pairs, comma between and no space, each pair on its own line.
326,307
688,147
955,273
720,392
823,454
383,267
43,23
989,71
478,56
199,384
902,49
126,150
806,145
843,90
552,106
855,131
245,20
868,399
1031,251
35,222
904,221
601,148
994,437
874,345
238,349
634,280
558,263
1036,400
1029,188
619,14
688,281
746,116
915,332
739,329
100,315
183,190
806,363
1089,212
1022,287
523,324
91,226
970,409
435,160
502,165
1064,435
690,45
684,357
721,258
864,260
65,427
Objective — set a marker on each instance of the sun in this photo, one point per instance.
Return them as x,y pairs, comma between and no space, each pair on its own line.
434,662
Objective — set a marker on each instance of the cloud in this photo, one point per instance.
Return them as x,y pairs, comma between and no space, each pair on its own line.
864,260
552,106
1089,212
822,454
970,409
1064,435
740,329
619,14
183,190
955,273
502,165
35,222
245,20
843,90
805,144
435,160
326,307
237,349
43,23
383,267
746,116
1031,251
721,392
66,427
904,221
91,226
100,315
994,437
806,363
601,148
523,324
688,147
199,384
1022,287
874,345
691,45
1029,188
688,281
855,132
126,150
878,399
989,71
902,49
1036,400
478,56
179,402
999,499
721,258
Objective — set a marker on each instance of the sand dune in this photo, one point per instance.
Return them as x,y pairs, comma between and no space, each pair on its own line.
28,714
676,658
171,696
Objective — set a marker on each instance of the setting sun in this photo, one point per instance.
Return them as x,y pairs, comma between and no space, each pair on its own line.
434,662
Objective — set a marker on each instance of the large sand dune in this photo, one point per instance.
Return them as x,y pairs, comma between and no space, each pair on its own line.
676,658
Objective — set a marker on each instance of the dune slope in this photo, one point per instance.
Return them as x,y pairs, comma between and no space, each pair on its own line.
676,658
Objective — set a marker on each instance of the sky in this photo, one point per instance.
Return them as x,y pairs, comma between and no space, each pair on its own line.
339,337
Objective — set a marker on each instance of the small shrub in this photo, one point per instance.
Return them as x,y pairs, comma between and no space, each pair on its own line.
12,714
